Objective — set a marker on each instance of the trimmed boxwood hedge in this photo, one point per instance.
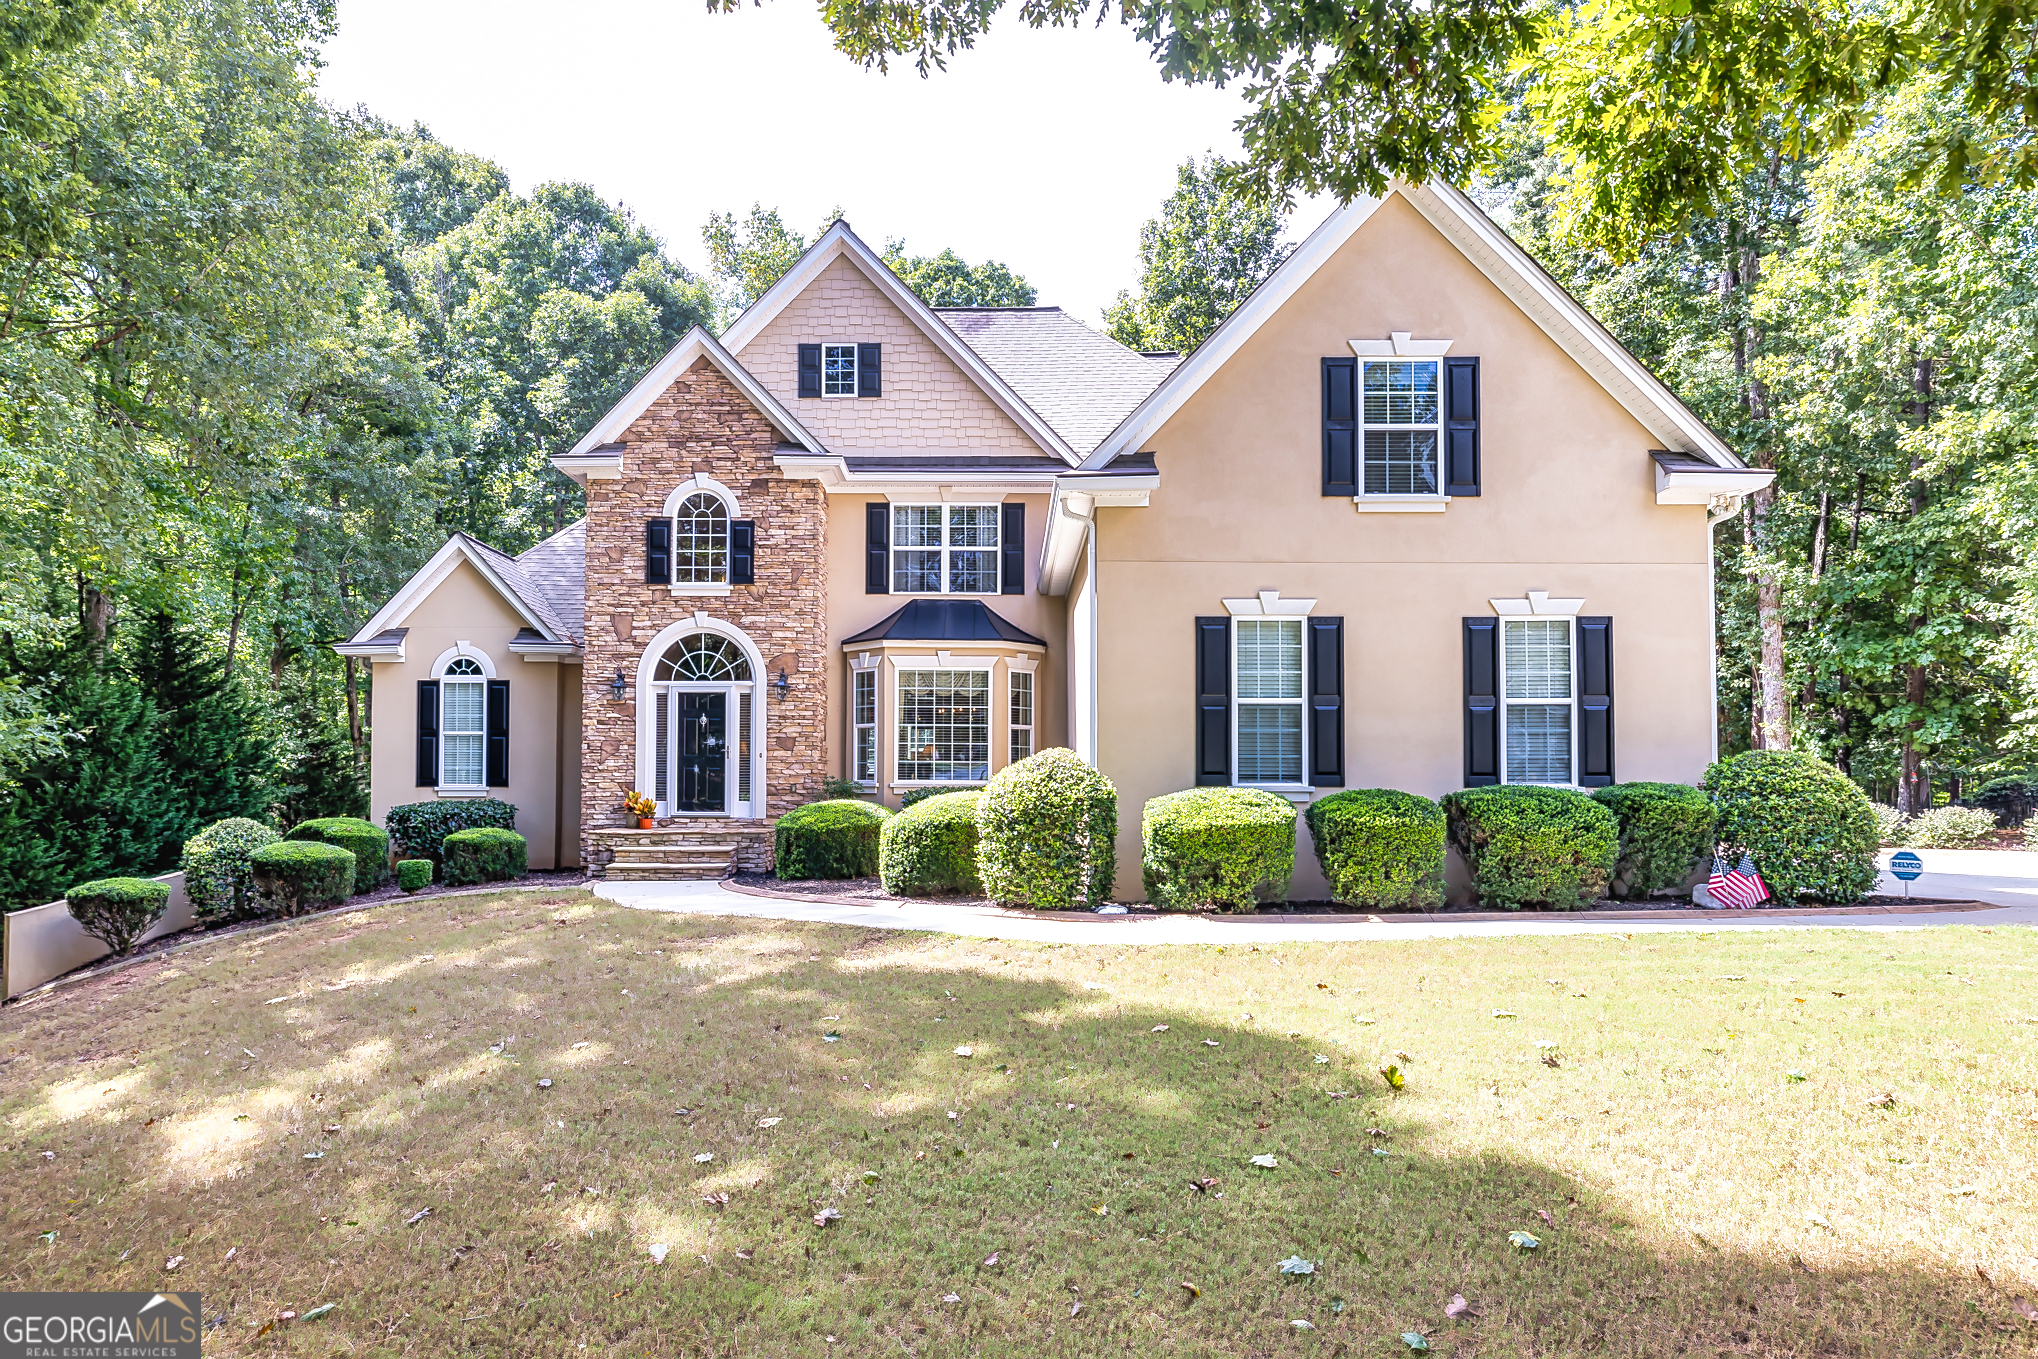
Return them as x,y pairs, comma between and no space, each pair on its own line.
1047,833
484,854
1530,845
1666,832
216,873
118,911
1811,832
931,846
833,839
295,876
419,829
1226,847
413,875
1380,848
368,841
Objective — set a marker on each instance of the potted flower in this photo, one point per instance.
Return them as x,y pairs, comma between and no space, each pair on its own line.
643,808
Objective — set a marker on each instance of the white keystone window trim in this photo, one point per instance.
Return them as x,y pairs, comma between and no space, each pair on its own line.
945,549
838,370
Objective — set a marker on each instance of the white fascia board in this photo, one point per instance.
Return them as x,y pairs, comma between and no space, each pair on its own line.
428,578
838,241
837,479
1560,316
693,345
1204,361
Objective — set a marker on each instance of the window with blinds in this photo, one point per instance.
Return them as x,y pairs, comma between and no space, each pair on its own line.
1539,696
1269,678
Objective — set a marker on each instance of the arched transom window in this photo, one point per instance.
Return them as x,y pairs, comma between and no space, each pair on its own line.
703,658
700,540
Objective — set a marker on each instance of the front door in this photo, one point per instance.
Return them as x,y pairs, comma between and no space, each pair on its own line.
701,751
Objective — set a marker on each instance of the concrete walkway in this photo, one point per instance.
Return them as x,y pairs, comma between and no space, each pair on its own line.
2009,879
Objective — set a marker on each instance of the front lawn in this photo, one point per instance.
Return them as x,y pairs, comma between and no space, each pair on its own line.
1702,1148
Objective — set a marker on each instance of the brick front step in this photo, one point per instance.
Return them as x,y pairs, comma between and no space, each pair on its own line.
680,850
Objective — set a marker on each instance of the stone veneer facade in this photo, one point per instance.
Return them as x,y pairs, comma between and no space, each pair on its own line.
703,426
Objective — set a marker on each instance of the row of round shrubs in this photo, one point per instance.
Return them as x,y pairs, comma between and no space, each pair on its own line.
1041,834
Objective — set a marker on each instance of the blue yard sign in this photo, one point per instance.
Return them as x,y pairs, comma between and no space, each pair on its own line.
1907,867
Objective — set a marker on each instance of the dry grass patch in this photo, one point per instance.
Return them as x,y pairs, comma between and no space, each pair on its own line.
277,1112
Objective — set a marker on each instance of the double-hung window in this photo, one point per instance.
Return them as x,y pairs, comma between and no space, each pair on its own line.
1400,414
945,549
1022,714
463,725
863,722
944,726
838,370
1538,692
1269,677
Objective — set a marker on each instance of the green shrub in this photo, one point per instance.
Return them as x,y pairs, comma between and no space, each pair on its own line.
833,839
413,875
1949,828
1666,832
1889,823
2011,801
295,876
215,864
1810,831
1525,844
368,841
931,846
1226,847
419,829
484,854
1380,848
1047,833
118,911
915,796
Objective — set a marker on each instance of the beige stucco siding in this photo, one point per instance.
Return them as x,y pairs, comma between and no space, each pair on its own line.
928,402
466,608
1567,507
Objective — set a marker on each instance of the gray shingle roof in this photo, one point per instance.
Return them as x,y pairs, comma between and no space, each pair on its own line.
1080,382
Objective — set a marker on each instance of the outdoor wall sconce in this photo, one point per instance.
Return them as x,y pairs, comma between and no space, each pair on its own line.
616,686
781,685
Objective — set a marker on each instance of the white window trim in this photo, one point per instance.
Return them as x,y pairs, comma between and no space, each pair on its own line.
893,549
855,375
760,708
943,661
1571,638
1399,346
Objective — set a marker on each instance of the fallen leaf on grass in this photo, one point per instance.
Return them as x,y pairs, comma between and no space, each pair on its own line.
1191,1289
1265,1162
315,1313
1414,1340
1295,1264
1457,1306
1523,1241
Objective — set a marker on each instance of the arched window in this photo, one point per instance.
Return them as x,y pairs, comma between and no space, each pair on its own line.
463,724
700,540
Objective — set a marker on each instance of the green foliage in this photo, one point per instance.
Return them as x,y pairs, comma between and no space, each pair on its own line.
1199,259
1666,833
2010,800
931,846
836,839
1811,832
1530,845
484,854
413,875
1380,848
947,280
118,911
217,876
419,829
1047,833
295,876
914,796
1949,828
1231,848
368,842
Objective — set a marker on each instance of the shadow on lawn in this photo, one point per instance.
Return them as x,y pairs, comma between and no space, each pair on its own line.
374,1039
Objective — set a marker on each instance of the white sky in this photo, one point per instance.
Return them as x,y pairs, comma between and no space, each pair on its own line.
1046,150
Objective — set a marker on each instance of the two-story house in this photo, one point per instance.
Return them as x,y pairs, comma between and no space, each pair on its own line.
1410,518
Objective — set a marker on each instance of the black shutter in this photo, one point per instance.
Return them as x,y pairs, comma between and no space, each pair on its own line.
1012,550
1340,427
1213,700
1482,701
498,734
1461,426
428,733
658,552
877,548
870,370
810,370
1595,702
1326,702
742,551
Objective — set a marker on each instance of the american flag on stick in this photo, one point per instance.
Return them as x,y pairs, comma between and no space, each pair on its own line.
1739,888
